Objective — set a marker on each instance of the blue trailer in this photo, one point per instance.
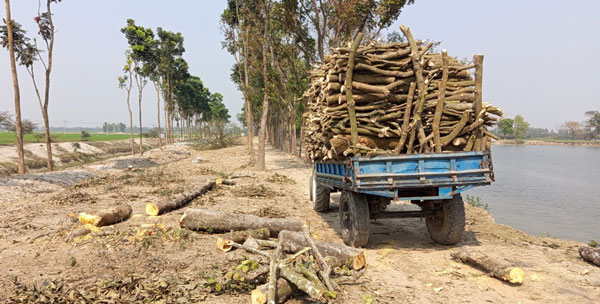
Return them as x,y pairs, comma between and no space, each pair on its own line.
433,181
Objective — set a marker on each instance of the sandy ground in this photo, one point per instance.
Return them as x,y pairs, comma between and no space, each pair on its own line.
151,258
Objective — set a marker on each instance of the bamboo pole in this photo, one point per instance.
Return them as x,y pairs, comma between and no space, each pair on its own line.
348,85
440,103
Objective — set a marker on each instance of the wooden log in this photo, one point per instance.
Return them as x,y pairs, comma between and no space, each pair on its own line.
240,237
311,289
590,255
382,72
335,254
325,271
437,117
284,291
179,200
106,217
364,78
349,99
218,221
494,268
273,267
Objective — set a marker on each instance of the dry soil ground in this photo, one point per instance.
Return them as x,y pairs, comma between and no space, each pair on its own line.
146,259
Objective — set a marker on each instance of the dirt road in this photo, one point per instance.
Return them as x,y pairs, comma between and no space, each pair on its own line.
151,258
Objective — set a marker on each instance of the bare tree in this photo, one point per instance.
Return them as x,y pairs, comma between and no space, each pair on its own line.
126,82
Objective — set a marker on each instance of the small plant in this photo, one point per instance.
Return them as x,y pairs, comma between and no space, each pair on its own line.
475,201
593,243
85,135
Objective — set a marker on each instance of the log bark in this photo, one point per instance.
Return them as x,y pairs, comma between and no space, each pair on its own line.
590,255
349,97
284,291
325,271
498,269
313,290
440,103
334,254
240,236
179,200
218,221
273,270
107,217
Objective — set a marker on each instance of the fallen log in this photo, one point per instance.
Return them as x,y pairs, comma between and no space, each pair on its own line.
217,221
334,254
284,291
178,201
240,236
310,288
107,216
590,255
494,268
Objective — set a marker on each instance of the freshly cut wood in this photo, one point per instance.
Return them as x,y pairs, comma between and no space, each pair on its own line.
179,200
591,255
313,290
498,269
334,254
284,291
218,221
106,217
326,269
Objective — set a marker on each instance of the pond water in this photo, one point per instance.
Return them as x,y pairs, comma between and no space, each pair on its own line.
546,190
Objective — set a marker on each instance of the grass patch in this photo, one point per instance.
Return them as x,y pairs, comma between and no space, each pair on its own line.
9,138
593,243
475,201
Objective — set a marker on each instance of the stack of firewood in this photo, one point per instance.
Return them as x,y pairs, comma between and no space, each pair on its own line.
397,98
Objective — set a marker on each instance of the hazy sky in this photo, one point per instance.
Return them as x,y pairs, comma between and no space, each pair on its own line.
542,58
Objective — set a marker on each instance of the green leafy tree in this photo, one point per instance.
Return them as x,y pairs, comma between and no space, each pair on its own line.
505,126
520,127
593,123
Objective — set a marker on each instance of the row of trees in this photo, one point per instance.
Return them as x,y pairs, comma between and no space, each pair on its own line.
113,127
187,102
24,50
518,128
275,43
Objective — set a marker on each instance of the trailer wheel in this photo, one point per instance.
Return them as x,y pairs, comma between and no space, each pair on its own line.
354,218
319,195
447,225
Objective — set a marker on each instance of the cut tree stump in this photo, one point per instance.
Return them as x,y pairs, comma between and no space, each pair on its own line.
218,221
494,268
590,255
179,200
284,291
107,216
334,254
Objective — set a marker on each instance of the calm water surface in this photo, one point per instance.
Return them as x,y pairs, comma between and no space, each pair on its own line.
546,189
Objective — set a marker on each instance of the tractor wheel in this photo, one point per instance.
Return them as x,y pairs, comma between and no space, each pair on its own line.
354,218
447,225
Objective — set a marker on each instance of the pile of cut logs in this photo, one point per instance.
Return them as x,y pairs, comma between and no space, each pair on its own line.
297,262
395,98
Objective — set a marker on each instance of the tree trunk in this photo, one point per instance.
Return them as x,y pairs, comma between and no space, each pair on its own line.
249,115
591,255
107,216
47,89
202,219
13,69
50,163
260,162
157,87
495,268
130,117
178,200
140,89
335,254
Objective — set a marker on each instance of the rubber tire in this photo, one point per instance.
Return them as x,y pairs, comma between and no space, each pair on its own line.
448,225
354,218
319,195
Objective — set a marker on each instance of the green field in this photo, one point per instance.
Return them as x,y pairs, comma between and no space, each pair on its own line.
9,138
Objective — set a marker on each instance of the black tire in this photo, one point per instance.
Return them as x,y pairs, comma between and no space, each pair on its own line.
354,218
319,195
447,225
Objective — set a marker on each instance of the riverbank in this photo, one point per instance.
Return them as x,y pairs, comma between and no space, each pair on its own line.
548,142
66,153
151,257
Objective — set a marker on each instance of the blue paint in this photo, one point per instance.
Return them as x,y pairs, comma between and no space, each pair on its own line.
433,176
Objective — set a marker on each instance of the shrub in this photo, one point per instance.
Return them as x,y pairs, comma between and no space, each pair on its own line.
85,135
